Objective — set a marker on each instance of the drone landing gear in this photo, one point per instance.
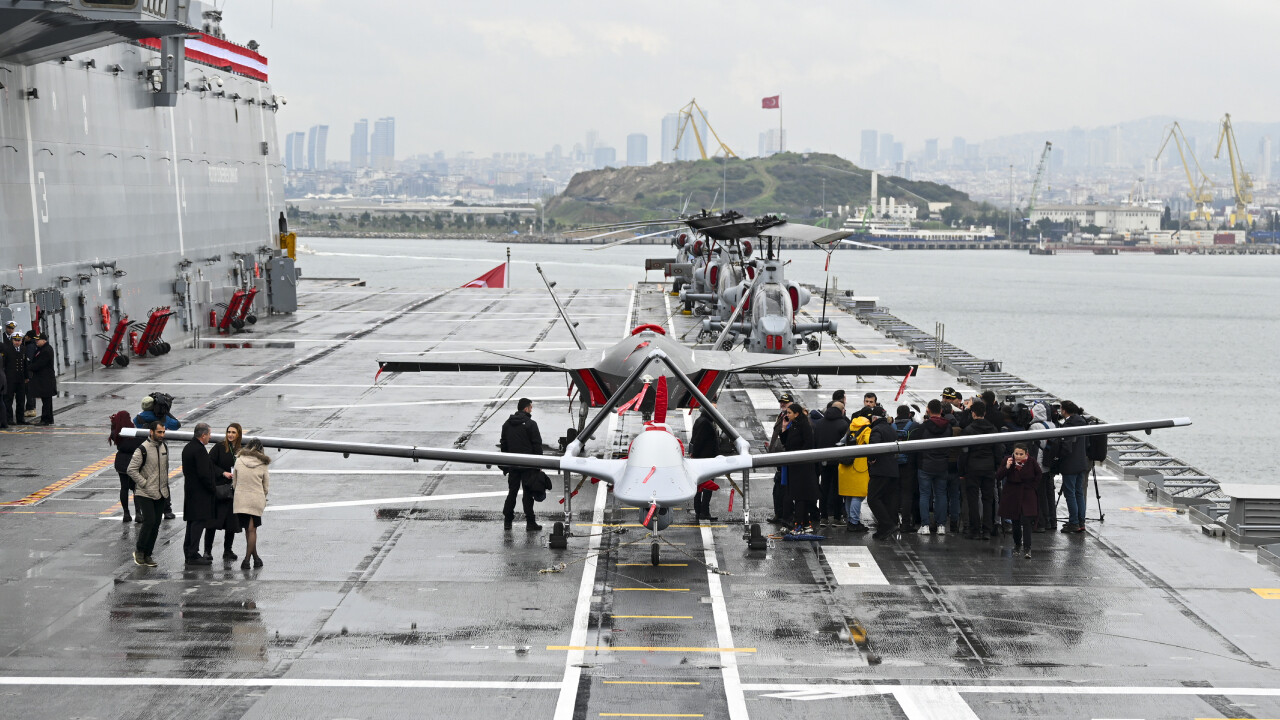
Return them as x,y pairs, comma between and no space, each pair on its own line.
653,554
756,540
814,383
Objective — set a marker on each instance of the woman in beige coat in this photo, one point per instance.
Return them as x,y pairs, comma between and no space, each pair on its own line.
250,479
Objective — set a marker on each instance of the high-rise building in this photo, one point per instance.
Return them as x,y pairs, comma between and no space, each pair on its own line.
637,149
931,152
899,153
604,156
593,139
1264,161
295,151
360,144
868,157
886,150
958,151
382,146
318,148
769,142
670,126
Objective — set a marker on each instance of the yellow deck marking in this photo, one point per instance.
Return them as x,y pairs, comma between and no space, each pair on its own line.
645,683
659,564
651,589
650,715
656,617
1150,509
607,648
64,483
1268,593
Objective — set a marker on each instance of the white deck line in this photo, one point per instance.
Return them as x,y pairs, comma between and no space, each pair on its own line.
933,703
542,398
736,699
567,702
398,386
833,691
143,681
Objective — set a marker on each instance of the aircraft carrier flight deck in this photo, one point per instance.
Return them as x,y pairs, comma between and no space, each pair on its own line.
391,590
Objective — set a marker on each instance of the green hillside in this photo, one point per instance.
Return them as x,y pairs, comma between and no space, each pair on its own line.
791,183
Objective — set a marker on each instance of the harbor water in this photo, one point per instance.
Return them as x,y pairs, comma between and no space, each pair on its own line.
1128,336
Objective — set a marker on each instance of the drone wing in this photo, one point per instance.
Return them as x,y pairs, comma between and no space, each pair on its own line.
608,470
475,361
810,364
855,451
847,241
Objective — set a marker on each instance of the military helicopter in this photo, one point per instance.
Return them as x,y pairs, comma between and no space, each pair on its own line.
655,476
597,374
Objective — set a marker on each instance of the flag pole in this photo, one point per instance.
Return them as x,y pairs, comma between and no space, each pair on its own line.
780,147
506,282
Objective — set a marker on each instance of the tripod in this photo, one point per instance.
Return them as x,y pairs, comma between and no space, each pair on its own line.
1097,494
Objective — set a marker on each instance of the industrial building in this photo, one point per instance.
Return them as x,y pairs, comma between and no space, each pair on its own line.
1116,218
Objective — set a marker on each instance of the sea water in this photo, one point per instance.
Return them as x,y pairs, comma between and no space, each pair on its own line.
1131,336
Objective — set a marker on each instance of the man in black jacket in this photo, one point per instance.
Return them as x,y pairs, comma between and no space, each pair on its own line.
932,472
520,435
704,442
978,474
882,487
828,432
199,499
44,382
1073,463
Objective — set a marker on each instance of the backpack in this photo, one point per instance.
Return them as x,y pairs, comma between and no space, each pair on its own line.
1052,447
1095,446
904,433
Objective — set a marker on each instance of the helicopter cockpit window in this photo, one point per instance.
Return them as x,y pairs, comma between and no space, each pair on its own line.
773,301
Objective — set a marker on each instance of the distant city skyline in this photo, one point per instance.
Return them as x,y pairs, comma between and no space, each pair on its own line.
449,77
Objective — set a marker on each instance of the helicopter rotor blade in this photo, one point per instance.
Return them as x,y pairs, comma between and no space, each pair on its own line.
625,241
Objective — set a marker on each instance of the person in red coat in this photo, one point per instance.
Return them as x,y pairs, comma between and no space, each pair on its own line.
1020,476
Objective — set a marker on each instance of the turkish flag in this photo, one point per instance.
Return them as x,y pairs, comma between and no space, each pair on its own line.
770,103
495,278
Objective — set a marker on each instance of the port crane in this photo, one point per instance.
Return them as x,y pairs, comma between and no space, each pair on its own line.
1241,183
688,120
1040,168
1200,193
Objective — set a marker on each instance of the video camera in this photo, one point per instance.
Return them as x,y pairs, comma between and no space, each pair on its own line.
162,404
1016,414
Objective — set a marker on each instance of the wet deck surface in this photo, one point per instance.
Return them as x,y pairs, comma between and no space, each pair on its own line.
391,590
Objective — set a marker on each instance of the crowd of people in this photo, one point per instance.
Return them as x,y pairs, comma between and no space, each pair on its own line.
224,487
29,374
983,491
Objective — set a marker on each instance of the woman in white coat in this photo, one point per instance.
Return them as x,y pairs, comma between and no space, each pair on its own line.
250,478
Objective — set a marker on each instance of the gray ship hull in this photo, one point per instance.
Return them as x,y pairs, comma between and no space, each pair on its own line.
91,172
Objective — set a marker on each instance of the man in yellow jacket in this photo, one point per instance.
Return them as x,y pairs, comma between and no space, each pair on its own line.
855,476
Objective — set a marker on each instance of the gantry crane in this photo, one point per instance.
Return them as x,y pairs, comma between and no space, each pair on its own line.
1241,183
1200,194
1040,168
687,119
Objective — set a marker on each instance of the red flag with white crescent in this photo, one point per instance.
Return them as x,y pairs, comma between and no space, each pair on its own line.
903,387
770,103
495,278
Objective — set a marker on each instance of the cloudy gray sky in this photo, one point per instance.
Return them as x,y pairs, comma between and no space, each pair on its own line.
499,75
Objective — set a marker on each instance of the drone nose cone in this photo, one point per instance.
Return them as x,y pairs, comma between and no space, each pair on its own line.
774,325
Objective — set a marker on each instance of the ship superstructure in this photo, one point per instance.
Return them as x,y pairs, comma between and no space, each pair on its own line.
138,170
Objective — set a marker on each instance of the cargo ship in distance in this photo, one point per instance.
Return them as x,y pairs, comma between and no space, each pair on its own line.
141,188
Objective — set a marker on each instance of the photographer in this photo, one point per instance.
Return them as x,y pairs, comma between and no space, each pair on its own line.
1073,463
1045,453
158,407
520,435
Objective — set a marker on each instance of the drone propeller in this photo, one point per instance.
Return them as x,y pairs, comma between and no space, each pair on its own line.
624,241
866,245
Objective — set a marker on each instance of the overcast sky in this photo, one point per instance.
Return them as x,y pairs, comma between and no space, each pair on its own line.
522,76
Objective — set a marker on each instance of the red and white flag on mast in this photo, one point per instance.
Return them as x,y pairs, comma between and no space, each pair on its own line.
770,103
495,278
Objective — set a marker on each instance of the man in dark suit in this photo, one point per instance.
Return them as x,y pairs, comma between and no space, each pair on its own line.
198,507
44,381
520,434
